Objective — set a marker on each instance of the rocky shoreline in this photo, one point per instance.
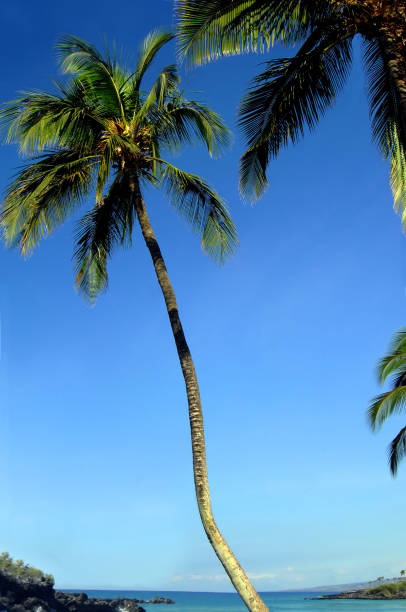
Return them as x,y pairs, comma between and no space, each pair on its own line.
360,594
26,594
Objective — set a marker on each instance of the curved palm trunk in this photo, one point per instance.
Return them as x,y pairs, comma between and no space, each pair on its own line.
222,550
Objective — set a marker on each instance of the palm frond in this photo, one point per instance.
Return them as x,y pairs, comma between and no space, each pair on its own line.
164,86
203,208
386,404
82,59
380,93
291,94
97,233
397,178
148,50
40,120
384,112
208,29
397,451
185,121
42,195
395,360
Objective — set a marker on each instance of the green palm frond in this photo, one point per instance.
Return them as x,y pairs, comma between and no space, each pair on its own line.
148,50
291,94
97,233
384,112
101,132
40,120
386,404
208,29
397,451
394,401
381,99
165,84
397,176
82,59
203,208
185,121
395,361
42,195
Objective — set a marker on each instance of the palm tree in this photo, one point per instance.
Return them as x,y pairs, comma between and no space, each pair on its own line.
101,133
293,93
393,401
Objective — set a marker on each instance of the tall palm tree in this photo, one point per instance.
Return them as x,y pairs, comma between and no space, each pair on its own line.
293,93
393,401
102,133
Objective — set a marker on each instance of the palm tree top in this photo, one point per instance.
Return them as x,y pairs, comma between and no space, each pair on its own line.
291,94
101,133
208,29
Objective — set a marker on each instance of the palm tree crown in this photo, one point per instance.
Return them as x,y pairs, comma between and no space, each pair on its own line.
293,93
102,133
393,401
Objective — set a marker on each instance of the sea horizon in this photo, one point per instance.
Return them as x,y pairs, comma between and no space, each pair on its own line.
276,601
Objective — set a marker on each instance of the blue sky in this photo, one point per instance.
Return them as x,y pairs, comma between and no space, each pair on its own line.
97,478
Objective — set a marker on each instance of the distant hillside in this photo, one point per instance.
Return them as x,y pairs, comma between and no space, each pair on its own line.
389,590
338,588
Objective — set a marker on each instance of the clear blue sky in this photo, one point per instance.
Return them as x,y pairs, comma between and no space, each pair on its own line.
96,474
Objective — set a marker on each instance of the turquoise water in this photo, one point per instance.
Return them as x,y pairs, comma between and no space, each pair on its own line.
230,602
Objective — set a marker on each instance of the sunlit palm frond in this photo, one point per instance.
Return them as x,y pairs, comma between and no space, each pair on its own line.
203,208
290,95
164,86
211,28
148,50
91,139
397,450
386,404
40,120
384,112
395,360
394,401
82,59
185,121
42,196
397,177
98,232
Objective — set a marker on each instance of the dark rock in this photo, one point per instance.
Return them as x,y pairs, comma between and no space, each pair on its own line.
28,594
36,594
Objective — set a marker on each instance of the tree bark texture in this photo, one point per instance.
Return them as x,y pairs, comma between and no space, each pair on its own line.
234,570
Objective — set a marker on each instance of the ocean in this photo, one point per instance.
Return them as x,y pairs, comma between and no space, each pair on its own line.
230,602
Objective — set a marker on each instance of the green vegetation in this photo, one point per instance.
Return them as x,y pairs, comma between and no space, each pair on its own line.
388,590
393,401
21,569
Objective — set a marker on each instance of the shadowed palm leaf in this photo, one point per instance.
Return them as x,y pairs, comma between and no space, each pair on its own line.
288,96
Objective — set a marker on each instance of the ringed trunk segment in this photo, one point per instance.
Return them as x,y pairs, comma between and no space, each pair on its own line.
234,570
